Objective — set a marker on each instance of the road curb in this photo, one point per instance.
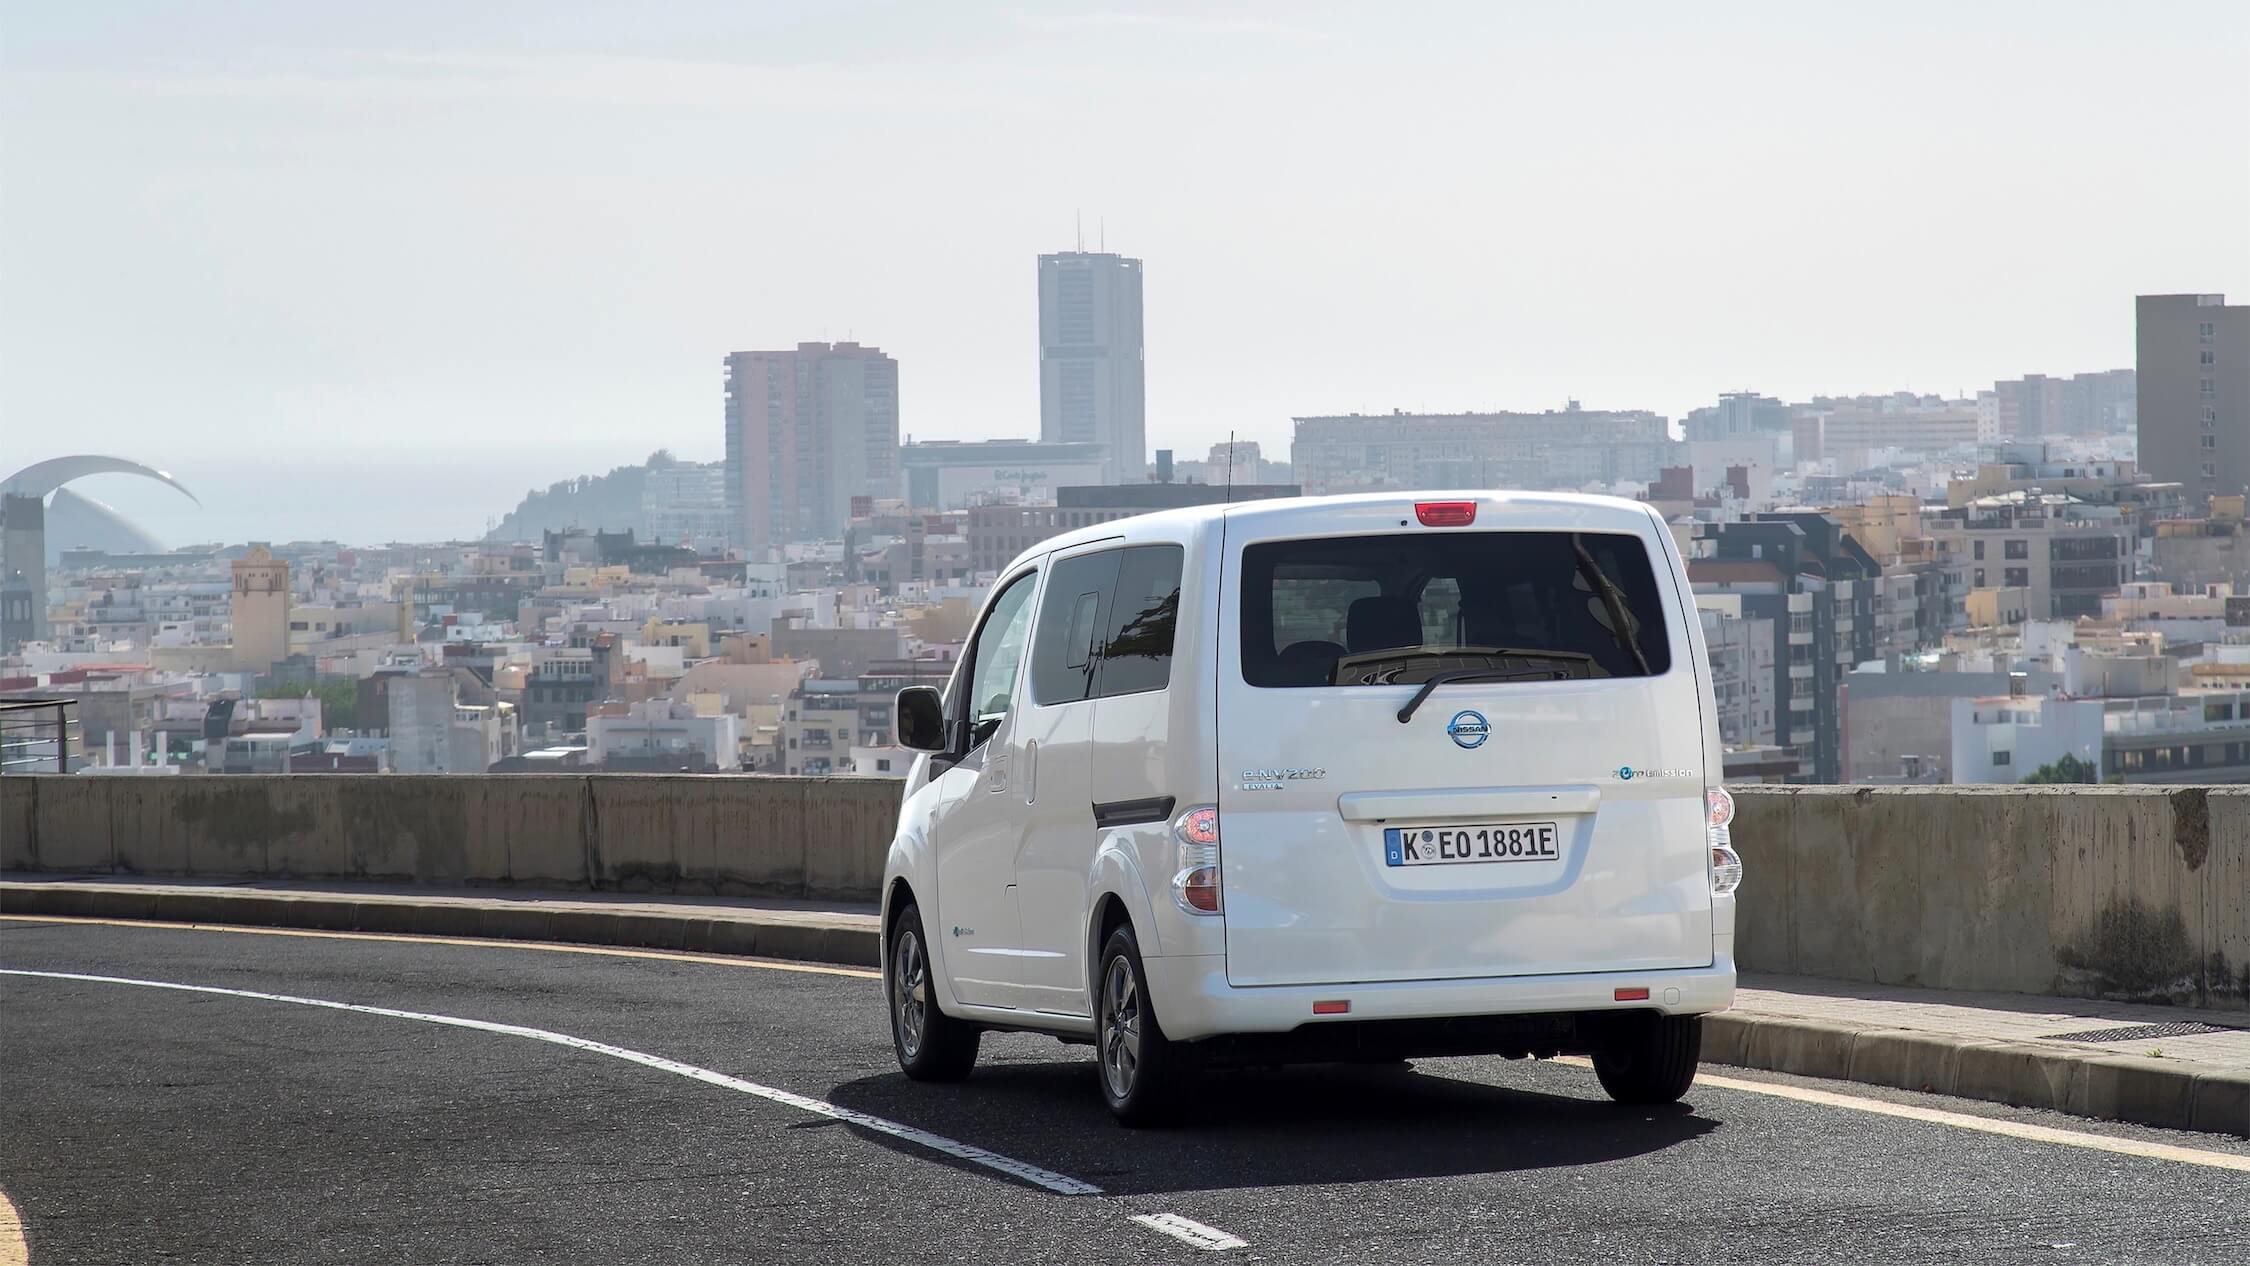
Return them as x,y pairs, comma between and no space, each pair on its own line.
750,933
2130,1088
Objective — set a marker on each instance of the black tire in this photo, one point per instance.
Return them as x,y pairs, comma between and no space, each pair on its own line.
1143,1073
1650,1058
930,1045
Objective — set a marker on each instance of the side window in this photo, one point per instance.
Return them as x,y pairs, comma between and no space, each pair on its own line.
997,657
1136,650
1071,619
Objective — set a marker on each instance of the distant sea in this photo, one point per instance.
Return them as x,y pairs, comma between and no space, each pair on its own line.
354,499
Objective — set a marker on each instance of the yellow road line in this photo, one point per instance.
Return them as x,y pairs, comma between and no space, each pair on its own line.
474,942
1965,1121
13,1250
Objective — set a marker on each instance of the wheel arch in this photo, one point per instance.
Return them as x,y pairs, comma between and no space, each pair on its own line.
1117,898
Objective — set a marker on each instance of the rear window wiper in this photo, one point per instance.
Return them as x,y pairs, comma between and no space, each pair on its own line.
1392,667
1406,713
1461,663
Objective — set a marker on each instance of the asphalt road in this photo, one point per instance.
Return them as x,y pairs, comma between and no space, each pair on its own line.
147,1125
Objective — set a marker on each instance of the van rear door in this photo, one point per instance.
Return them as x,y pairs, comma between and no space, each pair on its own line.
1539,810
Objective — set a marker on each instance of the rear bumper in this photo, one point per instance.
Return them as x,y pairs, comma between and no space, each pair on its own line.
1193,999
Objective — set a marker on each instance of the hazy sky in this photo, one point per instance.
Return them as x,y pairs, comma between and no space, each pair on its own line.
373,270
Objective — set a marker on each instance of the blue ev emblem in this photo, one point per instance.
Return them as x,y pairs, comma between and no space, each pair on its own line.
1468,729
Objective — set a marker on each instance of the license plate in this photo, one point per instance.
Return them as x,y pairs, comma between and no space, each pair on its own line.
1486,842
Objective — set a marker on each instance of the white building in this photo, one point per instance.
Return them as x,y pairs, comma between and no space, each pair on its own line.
954,474
685,503
1742,663
2003,738
668,734
433,732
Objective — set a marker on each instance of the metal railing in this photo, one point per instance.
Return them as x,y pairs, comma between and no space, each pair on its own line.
39,736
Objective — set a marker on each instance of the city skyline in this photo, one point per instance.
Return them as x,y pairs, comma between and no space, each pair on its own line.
222,522
312,238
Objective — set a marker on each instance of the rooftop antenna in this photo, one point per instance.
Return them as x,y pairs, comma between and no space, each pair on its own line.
1079,219
1230,468
1101,227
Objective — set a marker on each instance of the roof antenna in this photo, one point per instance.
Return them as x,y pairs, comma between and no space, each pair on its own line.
1079,218
1230,468
1102,242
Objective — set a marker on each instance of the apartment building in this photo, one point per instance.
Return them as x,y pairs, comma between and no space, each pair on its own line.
686,503
808,430
819,725
2035,405
2065,552
1816,588
1741,654
1566,448
1847,432
996,534
2193,393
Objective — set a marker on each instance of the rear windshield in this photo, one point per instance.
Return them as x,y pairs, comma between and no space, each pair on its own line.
1492,606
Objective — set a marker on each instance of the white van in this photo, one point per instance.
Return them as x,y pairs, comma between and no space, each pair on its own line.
1335,778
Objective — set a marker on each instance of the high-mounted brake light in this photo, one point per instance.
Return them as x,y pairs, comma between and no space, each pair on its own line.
1446,513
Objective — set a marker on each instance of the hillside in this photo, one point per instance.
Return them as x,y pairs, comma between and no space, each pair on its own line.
611,502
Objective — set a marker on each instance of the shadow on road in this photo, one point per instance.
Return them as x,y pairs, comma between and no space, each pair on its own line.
1305,1125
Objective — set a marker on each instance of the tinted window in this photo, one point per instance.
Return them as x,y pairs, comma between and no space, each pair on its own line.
1072,617
1136,649
997,657
1396,609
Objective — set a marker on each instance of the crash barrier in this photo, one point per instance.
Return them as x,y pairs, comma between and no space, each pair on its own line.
741,836
2110,891
2140,892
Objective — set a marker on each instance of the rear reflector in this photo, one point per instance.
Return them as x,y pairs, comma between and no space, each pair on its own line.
1332,1008
1446,513
1631,995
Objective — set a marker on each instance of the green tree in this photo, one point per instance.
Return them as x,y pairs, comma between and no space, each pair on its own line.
2066,769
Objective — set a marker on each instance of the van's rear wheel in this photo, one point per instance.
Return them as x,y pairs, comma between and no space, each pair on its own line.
1650,1058
1142,1071
930,1045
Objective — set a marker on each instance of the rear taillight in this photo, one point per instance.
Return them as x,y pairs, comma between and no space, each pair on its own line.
1726,864
1445,513
1195,882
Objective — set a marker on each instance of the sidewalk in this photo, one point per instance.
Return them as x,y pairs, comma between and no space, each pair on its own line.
2164,1066
2169,1066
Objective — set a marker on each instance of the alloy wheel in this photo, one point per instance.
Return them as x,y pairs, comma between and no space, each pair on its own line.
910,998
1120,1027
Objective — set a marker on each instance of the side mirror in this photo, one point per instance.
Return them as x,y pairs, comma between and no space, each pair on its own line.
921,719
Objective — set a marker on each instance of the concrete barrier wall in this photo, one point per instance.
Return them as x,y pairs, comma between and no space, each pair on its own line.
2139,892
794,837
2112,891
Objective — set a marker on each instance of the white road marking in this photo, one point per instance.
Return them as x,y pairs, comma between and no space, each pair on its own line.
1061,1184
13,1250
1189,1231
1965,1121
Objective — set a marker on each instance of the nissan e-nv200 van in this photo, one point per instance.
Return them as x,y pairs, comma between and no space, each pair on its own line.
1356,778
